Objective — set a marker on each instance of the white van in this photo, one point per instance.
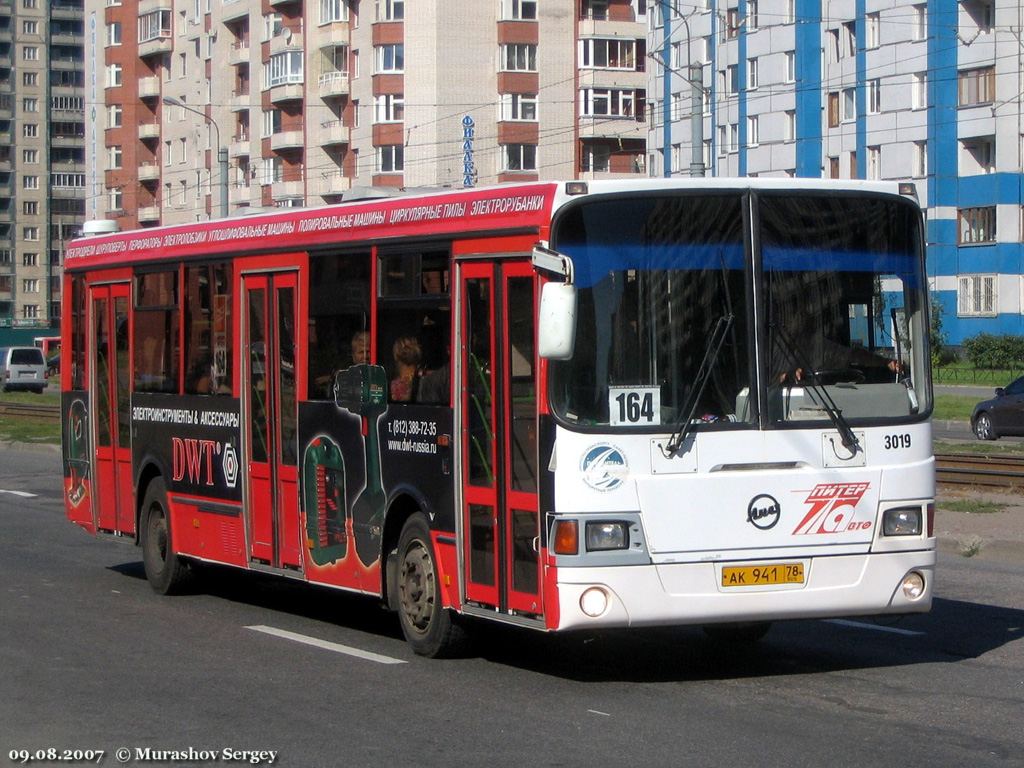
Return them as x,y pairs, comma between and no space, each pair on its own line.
22,368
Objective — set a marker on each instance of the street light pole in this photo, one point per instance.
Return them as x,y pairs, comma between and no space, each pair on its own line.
222,153
695,77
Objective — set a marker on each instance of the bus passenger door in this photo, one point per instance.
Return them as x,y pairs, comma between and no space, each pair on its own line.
109,394
269,406
498,402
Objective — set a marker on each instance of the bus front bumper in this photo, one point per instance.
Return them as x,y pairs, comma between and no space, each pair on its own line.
694,593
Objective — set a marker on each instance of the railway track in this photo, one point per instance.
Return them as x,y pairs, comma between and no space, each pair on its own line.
992,471
30,411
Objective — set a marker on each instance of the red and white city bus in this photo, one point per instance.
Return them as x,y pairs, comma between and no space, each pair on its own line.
560,405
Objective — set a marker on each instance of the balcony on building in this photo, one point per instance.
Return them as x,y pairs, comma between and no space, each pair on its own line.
149,172
65,38
156,46
286,41
149,131
292,139
149,214
334,183
149,87
333,84
283,190
234,9
333,133
239,146
67,9
239,193
333,34
239,101
281,3
286,92
238,53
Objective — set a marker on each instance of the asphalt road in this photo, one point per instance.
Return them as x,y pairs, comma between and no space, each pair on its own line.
91,658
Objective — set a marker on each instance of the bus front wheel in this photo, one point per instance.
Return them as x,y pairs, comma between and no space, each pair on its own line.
430,628
166,572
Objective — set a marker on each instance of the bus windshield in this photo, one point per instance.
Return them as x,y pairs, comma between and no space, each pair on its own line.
840,303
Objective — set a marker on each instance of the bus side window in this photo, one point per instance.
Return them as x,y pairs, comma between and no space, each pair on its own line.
339,320
414,303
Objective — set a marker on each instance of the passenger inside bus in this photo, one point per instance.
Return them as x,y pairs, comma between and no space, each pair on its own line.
407,355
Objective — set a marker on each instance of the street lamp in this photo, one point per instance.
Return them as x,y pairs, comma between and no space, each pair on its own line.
222,152
694,74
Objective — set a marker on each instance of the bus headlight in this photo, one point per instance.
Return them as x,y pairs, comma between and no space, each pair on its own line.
605,535
594,602
913,585
902,521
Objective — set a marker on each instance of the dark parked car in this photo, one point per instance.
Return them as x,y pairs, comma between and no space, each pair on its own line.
1002,415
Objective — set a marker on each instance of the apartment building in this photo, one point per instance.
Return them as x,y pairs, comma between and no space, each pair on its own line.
42,156
864,89
311,99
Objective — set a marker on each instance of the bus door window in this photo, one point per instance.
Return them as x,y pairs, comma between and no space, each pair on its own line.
207,333
157,337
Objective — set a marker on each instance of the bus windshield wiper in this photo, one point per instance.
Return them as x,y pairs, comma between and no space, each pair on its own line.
813,381
685,423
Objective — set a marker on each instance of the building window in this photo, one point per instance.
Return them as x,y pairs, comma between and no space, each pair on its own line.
919,22
67,180
283,68
751,19
751,73
518,57
833,167
30,259
154,25
30,182
30,79
874,96
790,66
29,208
389,108
519,157
390,10
610,102
919,90
977,155
732,79
30,156
113,75
874,162
271,122
790,128
521,10
920,168
976,295
518,106
732,23
114,157
976,86
849,105
833,109
30,53
333,10
30,130
789,14
387,58
608,53
981,15
752,132
30,285
30,104
391,158
872,28
976,225
114,33
115,199
30,233
596,158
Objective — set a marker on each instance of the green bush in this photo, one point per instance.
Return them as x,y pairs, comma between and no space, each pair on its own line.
987,350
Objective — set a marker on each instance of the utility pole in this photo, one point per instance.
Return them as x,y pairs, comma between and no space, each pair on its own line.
695,77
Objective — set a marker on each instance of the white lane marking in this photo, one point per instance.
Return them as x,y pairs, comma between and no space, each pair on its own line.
876,627
337,648
23,494
597,712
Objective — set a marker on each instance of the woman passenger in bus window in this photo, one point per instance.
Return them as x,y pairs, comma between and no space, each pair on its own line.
407,354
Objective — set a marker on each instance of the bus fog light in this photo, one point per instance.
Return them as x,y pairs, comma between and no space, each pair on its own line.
594,602
903,521
913,585
607,535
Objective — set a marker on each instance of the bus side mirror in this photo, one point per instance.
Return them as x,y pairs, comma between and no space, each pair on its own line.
556,331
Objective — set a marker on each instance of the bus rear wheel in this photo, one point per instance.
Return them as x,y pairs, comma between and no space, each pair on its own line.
430,628
166,572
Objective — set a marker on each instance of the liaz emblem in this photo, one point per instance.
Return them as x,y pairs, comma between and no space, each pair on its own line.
832,509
